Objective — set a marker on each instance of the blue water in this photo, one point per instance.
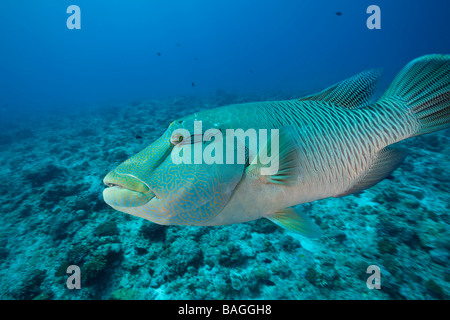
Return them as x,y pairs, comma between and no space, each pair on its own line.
242,45
73,103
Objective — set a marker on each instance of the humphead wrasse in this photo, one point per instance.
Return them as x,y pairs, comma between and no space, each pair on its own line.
330,144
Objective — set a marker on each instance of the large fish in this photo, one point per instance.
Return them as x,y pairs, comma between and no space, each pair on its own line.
330,144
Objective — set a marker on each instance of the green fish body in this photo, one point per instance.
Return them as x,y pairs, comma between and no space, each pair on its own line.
331,144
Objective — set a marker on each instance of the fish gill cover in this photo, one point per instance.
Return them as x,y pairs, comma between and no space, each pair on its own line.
87,85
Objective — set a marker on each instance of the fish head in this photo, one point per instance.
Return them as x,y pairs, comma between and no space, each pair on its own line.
166,184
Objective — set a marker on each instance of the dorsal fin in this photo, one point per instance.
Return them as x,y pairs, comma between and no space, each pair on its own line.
387,160
351,93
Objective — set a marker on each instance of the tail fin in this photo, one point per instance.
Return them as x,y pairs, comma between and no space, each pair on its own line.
424,85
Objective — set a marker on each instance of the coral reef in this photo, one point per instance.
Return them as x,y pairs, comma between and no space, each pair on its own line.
53,216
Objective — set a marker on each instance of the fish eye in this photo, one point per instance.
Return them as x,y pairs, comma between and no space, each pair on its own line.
176,139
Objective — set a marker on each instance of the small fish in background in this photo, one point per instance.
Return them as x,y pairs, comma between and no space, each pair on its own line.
178,44
193,84
138,137
158,54
195,59
332,143
338,13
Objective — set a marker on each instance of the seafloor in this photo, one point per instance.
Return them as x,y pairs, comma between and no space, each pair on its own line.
52,216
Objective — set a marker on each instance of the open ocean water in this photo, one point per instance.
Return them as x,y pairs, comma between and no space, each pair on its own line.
83,90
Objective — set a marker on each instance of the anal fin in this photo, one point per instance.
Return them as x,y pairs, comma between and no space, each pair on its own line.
386,161
295,221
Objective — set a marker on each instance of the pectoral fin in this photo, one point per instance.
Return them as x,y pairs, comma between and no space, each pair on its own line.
292,220
286,158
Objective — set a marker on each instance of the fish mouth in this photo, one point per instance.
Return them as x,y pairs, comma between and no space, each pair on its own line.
126,190
121,186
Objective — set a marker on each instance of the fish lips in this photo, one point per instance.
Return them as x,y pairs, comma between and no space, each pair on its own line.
126,193
117,196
